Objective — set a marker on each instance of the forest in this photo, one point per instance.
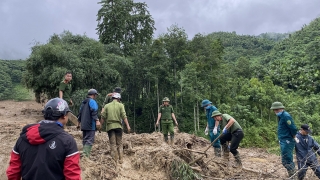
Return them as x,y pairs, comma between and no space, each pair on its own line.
241,74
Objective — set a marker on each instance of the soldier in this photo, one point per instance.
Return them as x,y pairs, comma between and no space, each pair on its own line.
306,157
232,131
65,88
113,113
166,114
212,126
287,131
45,150
89,121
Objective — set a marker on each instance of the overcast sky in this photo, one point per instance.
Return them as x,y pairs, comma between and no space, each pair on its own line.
24,22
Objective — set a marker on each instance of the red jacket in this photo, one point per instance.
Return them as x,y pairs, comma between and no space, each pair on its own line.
44,151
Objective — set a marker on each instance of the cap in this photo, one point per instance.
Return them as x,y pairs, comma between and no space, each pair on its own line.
306,128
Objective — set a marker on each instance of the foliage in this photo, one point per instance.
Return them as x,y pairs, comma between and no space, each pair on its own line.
242,75
125,23
182,171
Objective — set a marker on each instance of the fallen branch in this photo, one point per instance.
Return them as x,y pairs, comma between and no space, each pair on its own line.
195,151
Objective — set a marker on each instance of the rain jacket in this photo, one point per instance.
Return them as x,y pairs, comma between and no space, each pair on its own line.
44,151
88,114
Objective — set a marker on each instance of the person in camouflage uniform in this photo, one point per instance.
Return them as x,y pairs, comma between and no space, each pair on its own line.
232,131
166,115
108,98
65,88
113,113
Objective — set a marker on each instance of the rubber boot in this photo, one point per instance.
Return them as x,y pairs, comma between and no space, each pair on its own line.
237,160
217,152
165,138
86,150
225,152
171,140
119,148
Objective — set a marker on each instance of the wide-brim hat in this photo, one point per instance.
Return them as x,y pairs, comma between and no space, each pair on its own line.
215,113
277,105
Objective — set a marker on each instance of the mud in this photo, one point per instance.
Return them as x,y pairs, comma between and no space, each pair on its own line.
146,156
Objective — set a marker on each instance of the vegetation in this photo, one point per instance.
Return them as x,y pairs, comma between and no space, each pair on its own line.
242,75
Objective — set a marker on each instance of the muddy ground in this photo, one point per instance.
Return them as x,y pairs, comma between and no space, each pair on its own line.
146,155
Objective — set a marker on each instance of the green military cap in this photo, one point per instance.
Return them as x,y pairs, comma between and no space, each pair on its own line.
166,99
215,113
277,105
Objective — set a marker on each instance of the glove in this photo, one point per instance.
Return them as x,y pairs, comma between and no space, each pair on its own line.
225,131
215,131
206,131
296,139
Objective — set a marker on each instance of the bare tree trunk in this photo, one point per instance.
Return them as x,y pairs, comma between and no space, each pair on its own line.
158,103
195,119
198,115
134,116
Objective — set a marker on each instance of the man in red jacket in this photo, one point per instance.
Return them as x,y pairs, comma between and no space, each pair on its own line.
45,150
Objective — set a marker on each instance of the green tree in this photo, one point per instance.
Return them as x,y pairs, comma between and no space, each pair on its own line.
125,23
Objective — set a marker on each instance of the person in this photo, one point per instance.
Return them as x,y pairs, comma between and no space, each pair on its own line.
305,147
88,121
113,113
65,88
108,98
232,131
212,126
286,134
44,150
166,114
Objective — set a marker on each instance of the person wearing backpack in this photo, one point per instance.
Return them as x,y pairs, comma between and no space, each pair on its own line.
89,121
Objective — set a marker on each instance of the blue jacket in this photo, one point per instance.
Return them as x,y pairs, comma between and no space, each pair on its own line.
211,121
305,147
88,114
286,127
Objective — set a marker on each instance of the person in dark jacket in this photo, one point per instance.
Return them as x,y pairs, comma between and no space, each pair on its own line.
306,147
213,127
89,121
287,131
45,150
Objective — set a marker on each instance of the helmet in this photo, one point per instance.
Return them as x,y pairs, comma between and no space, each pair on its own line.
277,105
93,92
55,108
166,99
215,113
117,90
116,96
205,102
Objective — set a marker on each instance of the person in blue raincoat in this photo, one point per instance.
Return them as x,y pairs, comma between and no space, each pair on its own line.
213,127
287,131
306,147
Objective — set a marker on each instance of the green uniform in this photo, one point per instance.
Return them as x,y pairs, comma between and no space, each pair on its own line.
225,120
66,89
113,113
166,120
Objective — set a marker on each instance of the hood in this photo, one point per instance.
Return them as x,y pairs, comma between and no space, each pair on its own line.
40,133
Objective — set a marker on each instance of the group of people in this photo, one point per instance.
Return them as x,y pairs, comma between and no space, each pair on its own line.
289,137
46,150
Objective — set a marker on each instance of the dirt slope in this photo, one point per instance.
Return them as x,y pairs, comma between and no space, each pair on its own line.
146,155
